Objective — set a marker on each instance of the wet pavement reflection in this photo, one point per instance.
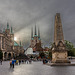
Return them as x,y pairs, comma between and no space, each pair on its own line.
36,68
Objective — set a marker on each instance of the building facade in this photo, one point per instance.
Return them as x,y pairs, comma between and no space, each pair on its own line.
36,41
29,51
7,43
18,48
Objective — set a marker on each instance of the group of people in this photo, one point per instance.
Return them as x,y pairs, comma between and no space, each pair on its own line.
45,61
18,62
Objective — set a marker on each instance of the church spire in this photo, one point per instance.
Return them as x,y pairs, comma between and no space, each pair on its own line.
11,30
32,32
7,25
20,43
35,30
38,32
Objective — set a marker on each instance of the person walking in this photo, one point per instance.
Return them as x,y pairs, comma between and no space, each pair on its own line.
10,64
13,63
19,62
1,62
22,61
27,61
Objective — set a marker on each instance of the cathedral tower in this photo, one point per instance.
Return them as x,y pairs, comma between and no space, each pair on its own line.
12,36
7,30
32,33
35,30
38,33
35,40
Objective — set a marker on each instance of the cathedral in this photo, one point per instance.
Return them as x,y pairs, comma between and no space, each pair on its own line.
36,41
8,46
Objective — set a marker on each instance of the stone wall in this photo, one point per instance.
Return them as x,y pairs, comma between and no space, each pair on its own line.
59,56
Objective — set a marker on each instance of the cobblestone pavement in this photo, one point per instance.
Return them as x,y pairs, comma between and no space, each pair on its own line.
36,68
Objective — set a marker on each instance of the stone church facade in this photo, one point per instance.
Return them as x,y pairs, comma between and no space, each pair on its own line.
7,45
36,41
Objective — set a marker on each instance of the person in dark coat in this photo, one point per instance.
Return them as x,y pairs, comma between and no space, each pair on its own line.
1,62
19,62
13,63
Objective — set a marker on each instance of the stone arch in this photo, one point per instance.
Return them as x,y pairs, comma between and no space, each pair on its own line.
5,55
9,55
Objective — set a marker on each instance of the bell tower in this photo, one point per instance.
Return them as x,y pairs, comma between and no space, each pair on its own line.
7,30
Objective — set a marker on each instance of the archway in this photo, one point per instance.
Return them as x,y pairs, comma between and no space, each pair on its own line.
5,55
1,54
9,56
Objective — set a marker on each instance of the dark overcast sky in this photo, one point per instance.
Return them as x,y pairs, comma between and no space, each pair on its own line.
23,14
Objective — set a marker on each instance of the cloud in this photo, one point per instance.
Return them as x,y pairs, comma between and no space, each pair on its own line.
23,14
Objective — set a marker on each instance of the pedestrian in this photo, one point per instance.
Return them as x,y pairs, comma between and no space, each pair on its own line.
13,63
22,61
49,61
1,62
43,61
27,61
46,61
10,64
19,62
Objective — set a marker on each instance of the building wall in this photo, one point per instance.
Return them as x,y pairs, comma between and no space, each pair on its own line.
59,56
7,45
29,51
36,43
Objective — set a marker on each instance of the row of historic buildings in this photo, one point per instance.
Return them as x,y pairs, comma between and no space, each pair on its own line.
8,46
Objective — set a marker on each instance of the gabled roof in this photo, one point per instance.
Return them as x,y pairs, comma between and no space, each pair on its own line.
15,43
